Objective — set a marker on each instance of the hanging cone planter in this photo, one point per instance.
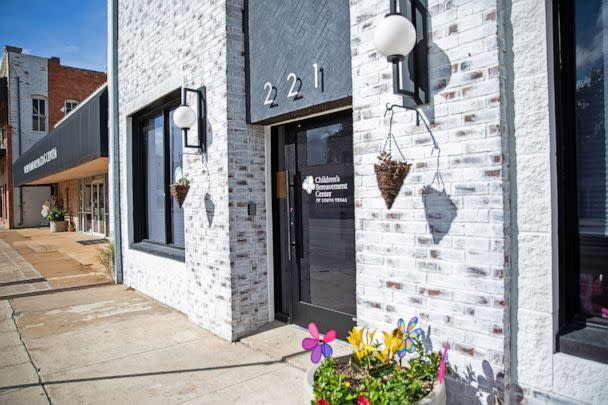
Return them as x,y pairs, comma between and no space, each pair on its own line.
390,175
180,190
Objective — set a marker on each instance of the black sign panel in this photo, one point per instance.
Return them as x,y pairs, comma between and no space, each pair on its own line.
298,56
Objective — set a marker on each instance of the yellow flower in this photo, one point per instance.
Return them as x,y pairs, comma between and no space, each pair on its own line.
362,347
391,344
370,337
355,338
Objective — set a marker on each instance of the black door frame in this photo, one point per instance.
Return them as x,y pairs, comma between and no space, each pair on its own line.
296,310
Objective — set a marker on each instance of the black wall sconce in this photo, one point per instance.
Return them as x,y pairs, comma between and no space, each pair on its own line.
403,32
185,117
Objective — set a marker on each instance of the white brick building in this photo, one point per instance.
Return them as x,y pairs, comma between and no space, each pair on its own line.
475,243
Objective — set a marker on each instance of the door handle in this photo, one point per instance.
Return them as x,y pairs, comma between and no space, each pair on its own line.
288,200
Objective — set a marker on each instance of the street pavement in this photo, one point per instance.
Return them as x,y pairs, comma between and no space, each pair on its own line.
67,337
36,261
111,344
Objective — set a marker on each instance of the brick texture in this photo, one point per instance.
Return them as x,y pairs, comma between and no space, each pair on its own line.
222,285
66,82
438,253
67,198
443,252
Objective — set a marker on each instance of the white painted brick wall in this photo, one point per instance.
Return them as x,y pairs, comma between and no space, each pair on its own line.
246,182
181,43
223,284
459,287
455,287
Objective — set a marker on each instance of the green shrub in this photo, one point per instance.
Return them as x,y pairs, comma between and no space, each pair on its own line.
105,256
55,214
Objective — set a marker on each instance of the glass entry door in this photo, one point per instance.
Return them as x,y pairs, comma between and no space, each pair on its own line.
314,200
93,215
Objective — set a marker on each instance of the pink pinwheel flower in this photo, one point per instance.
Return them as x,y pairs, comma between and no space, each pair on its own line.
444,358
318,347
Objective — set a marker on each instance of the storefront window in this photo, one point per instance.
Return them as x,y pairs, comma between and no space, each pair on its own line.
155,179
591,25
157,160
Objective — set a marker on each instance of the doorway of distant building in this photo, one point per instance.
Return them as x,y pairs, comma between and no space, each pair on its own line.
314,227
93,216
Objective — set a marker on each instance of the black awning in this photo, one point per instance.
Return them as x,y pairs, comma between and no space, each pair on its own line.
81,137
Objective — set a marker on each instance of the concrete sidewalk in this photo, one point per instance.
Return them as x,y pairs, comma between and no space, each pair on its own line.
34,261
113,345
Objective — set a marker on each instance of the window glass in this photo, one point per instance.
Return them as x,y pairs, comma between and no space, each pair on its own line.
38,114
177,213
155,179
328,145
591,26
69,105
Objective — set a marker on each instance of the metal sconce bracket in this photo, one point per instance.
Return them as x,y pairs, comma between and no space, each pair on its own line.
417,61
201,118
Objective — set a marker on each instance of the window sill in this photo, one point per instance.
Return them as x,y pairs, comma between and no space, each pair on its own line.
160,250
586,341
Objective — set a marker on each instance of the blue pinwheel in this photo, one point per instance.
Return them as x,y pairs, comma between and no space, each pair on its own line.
409,336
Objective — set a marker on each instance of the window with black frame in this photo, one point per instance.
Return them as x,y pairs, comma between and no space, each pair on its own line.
157,161
582,114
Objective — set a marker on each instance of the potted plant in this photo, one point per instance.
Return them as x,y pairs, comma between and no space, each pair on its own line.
377,372
180,189
390,174
57,218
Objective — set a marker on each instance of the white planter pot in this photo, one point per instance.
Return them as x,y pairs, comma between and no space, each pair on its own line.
436,397
59,226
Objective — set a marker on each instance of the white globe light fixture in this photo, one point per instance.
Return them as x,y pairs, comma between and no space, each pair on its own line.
395,37
399,34
185,117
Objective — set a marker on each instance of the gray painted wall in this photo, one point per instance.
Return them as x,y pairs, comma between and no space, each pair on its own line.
289,37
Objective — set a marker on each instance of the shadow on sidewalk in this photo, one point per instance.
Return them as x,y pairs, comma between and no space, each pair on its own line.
152,373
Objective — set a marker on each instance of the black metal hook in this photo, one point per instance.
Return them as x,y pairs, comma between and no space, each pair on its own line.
389,107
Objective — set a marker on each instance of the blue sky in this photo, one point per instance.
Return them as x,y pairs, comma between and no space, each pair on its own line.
73,30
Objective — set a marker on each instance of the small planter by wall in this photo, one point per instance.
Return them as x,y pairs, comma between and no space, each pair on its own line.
390,175
437,396
179,192
59,226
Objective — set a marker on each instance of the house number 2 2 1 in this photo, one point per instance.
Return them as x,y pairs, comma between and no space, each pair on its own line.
295,87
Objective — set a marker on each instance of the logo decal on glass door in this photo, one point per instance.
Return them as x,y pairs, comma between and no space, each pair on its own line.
309,185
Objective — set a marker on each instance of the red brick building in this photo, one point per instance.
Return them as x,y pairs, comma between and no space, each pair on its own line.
69,86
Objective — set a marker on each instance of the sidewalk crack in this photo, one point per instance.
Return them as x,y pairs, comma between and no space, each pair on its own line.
40,379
